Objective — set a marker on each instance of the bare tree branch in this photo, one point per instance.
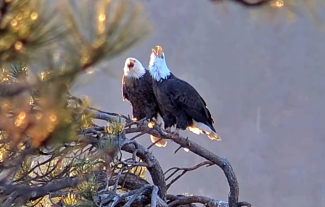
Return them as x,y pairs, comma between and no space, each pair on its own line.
248,3
185,170
252,4
201,151
129,181
223,163
139,192
154,196
33,193
182,200
154,167
137,197
244,203
110,115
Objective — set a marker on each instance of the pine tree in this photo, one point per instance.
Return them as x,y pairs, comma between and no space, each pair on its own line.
44,47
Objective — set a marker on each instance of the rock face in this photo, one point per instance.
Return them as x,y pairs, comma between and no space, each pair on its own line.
265,87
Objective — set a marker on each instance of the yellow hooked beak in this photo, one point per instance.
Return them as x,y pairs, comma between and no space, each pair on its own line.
158,52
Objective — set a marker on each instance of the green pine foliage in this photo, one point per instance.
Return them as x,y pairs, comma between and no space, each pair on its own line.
44,46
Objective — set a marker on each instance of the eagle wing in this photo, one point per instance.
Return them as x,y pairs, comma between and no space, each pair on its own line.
187,98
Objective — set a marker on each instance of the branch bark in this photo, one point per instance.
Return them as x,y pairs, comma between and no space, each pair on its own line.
154,168
252,4
248,3
33,193
209,202
143,153
128,181
185,170
223,163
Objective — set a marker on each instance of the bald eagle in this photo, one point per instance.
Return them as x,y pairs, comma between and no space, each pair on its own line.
178,100
137,90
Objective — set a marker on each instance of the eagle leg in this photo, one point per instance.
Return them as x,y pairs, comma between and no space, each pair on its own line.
160,125
141,121
184,148
151,122
188,144
176,133
168,129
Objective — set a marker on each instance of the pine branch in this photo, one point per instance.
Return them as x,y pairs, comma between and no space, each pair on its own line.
33,193
138,150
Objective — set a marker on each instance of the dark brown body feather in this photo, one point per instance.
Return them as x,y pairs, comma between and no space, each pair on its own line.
139,93
178,100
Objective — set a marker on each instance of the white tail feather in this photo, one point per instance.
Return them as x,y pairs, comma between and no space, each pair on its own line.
200,128
214,136
185,149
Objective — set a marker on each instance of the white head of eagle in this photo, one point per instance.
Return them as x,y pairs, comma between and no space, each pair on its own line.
133,68
157,65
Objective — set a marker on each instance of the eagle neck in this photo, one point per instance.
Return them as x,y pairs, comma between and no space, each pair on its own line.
135,73
159,71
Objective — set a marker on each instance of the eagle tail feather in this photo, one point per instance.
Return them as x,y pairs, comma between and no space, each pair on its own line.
161,143
200,128
213,136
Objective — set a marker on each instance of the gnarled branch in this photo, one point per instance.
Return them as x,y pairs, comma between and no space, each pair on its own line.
223,163
185,170
182,200
154,167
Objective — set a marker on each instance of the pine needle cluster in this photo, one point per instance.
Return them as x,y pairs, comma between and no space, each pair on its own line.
44,46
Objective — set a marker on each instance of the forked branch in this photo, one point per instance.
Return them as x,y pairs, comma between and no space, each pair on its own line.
155,169
202,152
184,171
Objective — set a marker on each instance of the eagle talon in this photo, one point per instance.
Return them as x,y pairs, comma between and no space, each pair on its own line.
151,124
175,134
188,142
168,130
160,125
142,121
